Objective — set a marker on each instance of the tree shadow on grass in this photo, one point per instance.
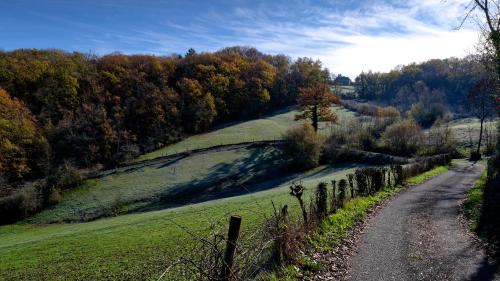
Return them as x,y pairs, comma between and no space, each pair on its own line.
263,169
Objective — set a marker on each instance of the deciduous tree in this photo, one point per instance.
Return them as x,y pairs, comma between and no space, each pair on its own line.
21,144
315,103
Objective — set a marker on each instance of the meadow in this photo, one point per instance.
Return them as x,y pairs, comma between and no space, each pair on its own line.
135,246
124,225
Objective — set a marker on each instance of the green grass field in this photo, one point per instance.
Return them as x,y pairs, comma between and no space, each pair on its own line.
141,187
268,128
138,231
146,188
466,130
135,246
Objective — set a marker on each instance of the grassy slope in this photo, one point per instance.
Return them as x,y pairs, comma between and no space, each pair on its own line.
461,127
130,246
269,128
138,188
122,192
141,245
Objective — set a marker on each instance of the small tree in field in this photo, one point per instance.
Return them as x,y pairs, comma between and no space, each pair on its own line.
315,104
302,147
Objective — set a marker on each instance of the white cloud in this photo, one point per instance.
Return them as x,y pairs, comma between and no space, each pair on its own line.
377,35
384,53
380,37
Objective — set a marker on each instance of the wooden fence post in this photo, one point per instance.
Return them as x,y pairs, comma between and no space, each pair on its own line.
232,237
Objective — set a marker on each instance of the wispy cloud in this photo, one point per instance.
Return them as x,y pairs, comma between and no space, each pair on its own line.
373,36
348,36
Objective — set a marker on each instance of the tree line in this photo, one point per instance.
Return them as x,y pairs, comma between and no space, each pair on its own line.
433,84
58,107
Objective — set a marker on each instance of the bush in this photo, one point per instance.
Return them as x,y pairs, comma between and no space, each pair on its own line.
403,137
20,204
321,201
490,136
388,112
65,177
302,147
426,115
353,134
366,139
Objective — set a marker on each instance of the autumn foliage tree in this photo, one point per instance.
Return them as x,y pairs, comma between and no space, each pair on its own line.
315,104
22,148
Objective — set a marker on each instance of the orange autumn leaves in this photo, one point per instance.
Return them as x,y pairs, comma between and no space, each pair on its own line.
315,103
21,143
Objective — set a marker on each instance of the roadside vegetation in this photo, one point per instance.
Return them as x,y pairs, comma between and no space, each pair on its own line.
474,202
428,175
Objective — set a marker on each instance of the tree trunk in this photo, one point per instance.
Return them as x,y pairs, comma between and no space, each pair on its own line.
480,138
315,118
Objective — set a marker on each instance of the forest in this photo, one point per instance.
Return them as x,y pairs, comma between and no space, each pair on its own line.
62,109
435,83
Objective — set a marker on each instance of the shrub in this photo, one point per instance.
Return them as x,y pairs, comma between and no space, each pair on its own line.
20,204
334,199
65,177
426,115
403,137
321,201
490,136
388,112
342,192
361,182
302,147
366,139
353,134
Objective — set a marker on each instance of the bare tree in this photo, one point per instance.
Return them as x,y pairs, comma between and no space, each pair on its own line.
481,100
486,13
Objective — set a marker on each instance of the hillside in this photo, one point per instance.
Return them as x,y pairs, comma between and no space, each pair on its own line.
157,206
210,175
268,128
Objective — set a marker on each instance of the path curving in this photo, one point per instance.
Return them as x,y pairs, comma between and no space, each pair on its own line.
419,235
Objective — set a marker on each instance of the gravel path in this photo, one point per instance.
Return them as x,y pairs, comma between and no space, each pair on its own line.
419,235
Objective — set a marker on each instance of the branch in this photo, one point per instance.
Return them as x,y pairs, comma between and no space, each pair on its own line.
484,7
467,15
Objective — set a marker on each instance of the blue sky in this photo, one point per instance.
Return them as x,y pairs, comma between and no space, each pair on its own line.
348,36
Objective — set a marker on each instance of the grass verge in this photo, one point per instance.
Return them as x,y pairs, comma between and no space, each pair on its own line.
428,175
474,202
